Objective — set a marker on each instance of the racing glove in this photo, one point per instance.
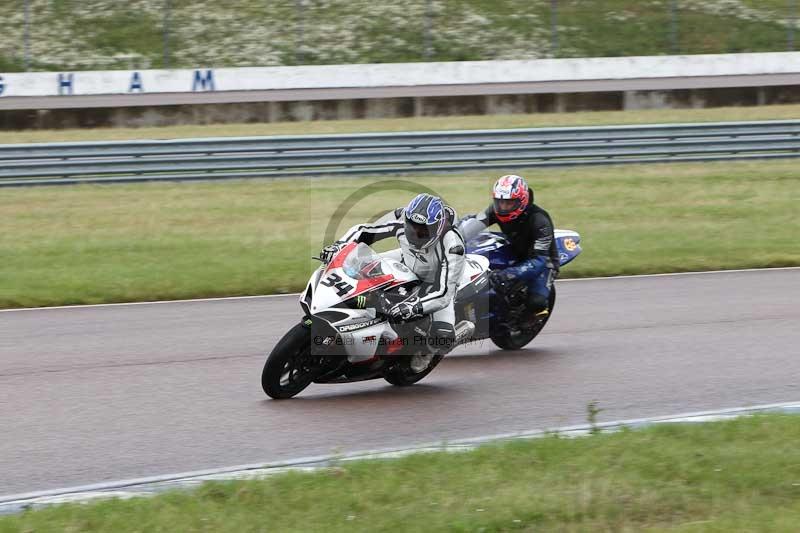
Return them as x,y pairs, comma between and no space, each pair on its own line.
406,309
327,253
499,279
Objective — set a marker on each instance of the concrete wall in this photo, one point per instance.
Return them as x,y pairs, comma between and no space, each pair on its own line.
458,77
251,112
330,92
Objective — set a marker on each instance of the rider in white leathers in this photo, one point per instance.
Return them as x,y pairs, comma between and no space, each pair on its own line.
432,248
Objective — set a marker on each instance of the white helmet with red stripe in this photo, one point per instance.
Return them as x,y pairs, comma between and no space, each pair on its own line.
511,196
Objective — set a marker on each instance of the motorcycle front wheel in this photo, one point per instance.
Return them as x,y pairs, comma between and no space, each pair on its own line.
289,367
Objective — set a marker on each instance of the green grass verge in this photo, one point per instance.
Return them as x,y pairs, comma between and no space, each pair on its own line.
741,475
100,35
97,244
590,118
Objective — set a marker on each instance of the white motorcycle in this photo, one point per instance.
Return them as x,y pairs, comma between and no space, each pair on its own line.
346,334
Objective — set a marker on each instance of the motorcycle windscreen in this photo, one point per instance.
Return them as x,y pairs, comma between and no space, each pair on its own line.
363,263
356,270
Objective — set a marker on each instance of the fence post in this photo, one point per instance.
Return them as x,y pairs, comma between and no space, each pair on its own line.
167,14
27,36
427,52
554,28
792,23
673,27
300,16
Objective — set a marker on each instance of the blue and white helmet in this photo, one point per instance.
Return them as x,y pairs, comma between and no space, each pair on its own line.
425,220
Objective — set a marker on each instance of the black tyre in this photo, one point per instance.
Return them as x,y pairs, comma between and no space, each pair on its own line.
401,374
504,340
287,370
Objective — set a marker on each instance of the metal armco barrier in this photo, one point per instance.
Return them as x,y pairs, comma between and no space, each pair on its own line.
395,153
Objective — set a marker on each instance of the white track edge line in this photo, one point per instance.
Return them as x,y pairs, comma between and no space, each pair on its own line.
155,302
295,295
318,460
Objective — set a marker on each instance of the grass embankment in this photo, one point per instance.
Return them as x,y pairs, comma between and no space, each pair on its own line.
101,35
741,475
590,118
94,244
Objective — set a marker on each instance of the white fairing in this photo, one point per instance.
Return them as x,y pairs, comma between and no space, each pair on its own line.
335,285
400,272
361,345
474,266
558,233
359,330
361,333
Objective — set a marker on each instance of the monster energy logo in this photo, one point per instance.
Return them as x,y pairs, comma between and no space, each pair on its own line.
361,302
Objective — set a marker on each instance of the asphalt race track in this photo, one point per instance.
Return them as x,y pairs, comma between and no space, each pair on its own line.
93,394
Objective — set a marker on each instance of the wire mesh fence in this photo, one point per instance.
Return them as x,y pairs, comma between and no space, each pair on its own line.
108,34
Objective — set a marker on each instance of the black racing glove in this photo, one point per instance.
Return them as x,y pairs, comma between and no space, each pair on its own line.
407,309
327,254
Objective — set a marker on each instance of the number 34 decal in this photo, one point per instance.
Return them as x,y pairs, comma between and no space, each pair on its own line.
336,281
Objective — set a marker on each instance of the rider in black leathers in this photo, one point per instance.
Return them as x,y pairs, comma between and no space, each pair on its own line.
530,230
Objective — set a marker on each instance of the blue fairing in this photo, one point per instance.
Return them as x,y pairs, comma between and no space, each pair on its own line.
568,244
493,246
496,248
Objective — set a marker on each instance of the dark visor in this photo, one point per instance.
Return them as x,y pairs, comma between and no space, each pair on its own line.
421,230
504,207
417,234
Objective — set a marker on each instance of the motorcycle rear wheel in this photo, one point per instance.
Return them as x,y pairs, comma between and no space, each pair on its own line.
285,374
506,341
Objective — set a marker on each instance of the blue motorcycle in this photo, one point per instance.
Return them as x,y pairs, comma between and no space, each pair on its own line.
510,328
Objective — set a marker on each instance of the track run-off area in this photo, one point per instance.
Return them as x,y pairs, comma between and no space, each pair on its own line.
101,393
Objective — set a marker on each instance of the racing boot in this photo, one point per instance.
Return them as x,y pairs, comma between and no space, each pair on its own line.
532,320
537,311
456,335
